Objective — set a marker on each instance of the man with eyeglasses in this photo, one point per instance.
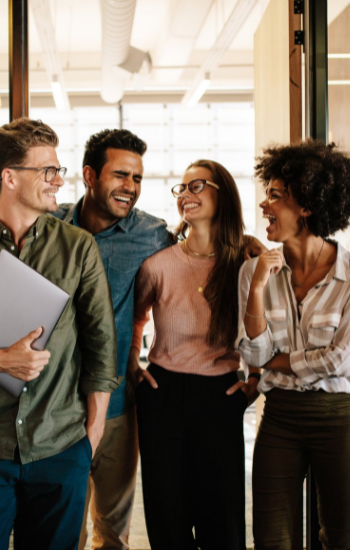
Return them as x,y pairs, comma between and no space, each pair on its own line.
126,236
49,434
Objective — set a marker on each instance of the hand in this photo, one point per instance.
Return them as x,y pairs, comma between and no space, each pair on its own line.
23,362
252,247
97,405
249,388
269,262
136,374
94,434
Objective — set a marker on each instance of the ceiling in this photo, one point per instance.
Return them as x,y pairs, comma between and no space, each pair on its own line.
183,38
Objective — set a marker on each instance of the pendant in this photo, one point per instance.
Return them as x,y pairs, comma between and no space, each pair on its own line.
200,289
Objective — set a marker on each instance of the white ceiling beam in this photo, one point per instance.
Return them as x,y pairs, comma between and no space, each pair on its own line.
230,30
46,31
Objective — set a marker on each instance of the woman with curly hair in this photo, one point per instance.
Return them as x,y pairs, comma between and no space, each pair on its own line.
295,310
190,404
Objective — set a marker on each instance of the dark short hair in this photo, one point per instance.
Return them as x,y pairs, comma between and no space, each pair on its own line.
317,175
20,135
97,145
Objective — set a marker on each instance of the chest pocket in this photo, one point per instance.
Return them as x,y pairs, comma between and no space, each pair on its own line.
277,321
322,328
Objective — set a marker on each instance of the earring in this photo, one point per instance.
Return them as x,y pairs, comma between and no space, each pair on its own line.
303,222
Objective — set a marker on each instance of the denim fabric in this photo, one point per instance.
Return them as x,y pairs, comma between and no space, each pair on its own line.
123,247
48,496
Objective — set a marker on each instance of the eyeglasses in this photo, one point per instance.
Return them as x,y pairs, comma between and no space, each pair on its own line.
50,171
195,187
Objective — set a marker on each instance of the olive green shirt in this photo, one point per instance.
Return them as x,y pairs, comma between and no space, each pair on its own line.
50,414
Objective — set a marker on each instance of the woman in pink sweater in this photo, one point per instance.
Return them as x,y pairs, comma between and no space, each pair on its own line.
189,400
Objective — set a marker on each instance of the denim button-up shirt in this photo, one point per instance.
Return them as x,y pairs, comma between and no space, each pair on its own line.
124,247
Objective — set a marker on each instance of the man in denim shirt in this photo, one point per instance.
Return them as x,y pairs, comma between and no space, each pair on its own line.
113,170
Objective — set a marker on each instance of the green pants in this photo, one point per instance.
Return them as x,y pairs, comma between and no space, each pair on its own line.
298,429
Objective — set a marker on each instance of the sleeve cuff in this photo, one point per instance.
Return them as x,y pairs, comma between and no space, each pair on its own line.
256,351
106,386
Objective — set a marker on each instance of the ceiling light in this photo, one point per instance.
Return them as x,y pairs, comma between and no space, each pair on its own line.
338,82
60,96
339,56
191,99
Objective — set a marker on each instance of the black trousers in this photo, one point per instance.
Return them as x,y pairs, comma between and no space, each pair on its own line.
192,457
298,429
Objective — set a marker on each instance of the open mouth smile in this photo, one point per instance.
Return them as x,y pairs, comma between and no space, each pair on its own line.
270,218
122,199
190,206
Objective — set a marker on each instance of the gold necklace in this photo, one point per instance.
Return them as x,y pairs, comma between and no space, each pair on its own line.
298,285
197,253
200,287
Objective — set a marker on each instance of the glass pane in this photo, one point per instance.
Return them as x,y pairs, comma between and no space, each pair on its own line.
339,81
4,65
339,72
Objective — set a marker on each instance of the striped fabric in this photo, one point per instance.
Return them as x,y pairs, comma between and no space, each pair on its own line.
316,332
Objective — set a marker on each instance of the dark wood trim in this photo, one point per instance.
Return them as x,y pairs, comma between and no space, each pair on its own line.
295,84
18,58
316,42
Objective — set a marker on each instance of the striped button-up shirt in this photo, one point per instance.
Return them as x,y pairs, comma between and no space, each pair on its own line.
315,332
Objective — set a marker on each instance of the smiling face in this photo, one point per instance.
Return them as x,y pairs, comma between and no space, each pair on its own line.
117,189
283,213
32,191
202,206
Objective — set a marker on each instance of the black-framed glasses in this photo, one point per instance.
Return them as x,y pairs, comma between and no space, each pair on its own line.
50,171
195,186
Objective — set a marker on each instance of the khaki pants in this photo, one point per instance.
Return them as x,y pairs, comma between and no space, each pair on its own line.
111,485
298,429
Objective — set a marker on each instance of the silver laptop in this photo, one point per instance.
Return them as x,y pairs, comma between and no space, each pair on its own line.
27,301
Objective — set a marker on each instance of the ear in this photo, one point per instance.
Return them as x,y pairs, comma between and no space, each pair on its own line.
305,212
89,175
8,179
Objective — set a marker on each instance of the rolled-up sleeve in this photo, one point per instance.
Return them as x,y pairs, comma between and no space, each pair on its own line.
97,335
257,351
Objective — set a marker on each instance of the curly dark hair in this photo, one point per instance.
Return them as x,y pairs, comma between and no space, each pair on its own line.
97,145
318,177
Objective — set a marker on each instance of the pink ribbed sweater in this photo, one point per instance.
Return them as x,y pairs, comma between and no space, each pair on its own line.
181,314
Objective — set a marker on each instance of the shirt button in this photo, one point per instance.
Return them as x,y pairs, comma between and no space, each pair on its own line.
4,231
12,247
20,421
25,389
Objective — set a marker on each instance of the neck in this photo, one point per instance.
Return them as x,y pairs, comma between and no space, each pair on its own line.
301,253
91,219
201,240
17,220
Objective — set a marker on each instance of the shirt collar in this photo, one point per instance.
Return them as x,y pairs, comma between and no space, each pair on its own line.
34,231
341,268
123,224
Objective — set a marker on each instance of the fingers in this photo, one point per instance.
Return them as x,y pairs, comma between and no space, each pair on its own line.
238,386
33,335
26,373
147,376
246,254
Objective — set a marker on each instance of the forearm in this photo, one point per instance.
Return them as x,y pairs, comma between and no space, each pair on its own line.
97,404
254,315
280,363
